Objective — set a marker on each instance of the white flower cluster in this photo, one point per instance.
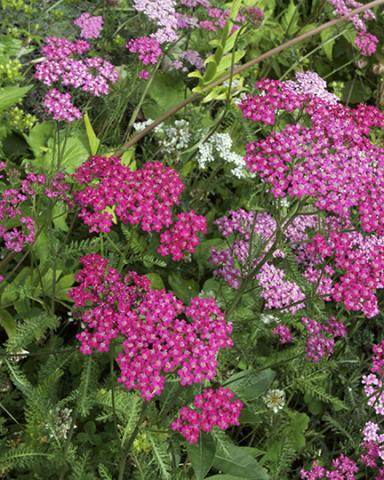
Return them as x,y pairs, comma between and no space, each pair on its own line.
172,139
220,145
60,422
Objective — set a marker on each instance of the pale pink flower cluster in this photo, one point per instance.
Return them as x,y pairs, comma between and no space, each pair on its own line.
65,66
160,334
210,409
163,14
90,26
16,228
373,382
234,263
365,41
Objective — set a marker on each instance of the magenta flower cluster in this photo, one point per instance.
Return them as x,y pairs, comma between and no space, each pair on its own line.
143,197
65,66
210,409
332,161
321,337
360,259
161,335
183,236
148,49
90,26
344,468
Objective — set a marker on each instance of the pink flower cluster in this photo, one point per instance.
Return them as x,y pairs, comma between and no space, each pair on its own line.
277,291
64,65
332,161
143,197
163,14
365,42
343,469
90,26
148,49
321,337
238,261
210,409
160,334
284,333
373,445
16,228
360,258
373,382
183,236
60,107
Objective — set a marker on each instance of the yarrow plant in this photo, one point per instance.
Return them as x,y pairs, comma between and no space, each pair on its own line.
191,240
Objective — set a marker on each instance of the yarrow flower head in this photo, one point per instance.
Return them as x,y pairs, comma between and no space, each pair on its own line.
145,196
160,334
182,237
148,49
321,337
212,408
343,468
65,66
365,42
91,26
60,107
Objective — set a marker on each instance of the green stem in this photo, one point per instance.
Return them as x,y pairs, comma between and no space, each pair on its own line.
127,447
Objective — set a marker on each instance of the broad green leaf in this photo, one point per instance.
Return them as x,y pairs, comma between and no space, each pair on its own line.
93,141
156,281
38,137
63,285
223,477
128,158
291,18
8,323
328,42
183,288
236,461
210,71
249,384
236,4
202,455
11,95
166,91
